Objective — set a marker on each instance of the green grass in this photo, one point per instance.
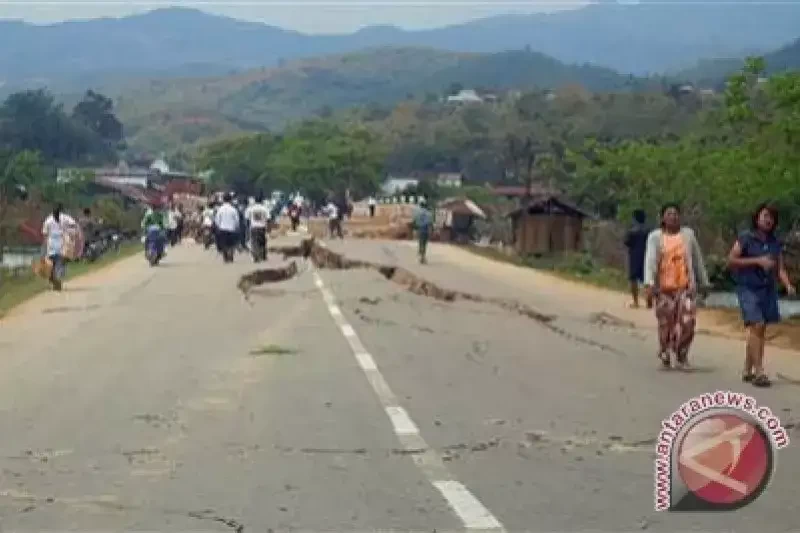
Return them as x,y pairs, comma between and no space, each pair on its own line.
573,267
273,349
15,290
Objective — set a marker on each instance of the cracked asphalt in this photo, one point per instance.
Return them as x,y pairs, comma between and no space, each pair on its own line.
161,399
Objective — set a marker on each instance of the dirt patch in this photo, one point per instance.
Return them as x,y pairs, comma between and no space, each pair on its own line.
728,323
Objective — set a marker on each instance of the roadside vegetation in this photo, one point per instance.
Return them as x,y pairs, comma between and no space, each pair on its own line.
16,288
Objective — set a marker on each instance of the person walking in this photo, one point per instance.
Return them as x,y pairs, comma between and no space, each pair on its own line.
181,224
207,225
228,223
258,219
241,238
172,225
334,219
756,260
636,243
60,232
88,229
423,220
372,203
674,275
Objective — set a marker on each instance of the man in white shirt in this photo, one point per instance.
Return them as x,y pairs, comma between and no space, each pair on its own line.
173,222
227,222
207,223
257,215
371,202
334,222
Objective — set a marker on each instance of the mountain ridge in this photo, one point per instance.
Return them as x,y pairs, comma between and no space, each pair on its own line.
644,38
273,97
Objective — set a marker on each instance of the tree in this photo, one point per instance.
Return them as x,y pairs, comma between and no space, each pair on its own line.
19,174
745,153
96,112
32,121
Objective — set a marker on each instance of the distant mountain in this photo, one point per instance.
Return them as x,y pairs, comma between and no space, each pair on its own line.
182,111
714,72
650,36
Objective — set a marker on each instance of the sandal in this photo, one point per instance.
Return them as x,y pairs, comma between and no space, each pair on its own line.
747,378
762,381
665,359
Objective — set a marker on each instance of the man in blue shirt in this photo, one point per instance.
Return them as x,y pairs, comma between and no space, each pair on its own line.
423,220
636,243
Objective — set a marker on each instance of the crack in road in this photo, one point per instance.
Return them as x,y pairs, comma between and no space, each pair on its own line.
324,258
235,525
109,502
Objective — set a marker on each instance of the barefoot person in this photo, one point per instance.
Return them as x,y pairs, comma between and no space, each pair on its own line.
674,274
757,262
636,243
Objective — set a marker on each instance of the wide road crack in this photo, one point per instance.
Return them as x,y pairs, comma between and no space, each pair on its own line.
324,258
235,525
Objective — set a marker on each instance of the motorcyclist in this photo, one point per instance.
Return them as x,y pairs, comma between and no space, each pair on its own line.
154,225
152,217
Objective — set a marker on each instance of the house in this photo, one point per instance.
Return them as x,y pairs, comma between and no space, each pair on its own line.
459,216
160,166
394,185
449,179
465,96
512,192
547,224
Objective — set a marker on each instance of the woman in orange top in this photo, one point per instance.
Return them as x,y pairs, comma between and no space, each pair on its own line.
675,272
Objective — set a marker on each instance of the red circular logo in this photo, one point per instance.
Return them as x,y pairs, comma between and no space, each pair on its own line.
725,460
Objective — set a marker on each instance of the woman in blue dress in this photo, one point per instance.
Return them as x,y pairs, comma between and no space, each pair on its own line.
756,260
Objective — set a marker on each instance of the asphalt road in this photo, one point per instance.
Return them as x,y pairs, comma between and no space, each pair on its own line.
160,399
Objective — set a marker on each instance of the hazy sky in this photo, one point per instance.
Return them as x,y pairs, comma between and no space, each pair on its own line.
313,16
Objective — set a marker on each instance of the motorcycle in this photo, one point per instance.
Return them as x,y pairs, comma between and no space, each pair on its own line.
154,245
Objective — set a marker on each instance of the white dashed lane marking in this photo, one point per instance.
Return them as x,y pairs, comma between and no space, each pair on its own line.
466,506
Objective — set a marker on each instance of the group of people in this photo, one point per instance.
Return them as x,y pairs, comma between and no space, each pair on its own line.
233,226
669,263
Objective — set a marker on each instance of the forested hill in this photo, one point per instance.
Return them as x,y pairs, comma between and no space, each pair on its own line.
182,111
648,37
713,73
